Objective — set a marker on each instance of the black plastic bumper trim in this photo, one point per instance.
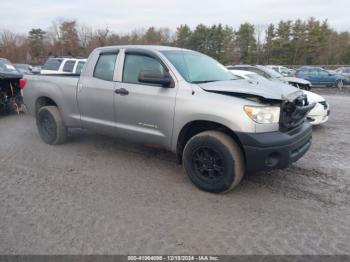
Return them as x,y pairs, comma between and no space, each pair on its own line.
275,150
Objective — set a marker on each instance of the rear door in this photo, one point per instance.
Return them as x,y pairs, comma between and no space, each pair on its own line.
96,93
311,75
144,112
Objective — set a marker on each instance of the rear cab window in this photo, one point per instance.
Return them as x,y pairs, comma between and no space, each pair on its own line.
52,64
105,66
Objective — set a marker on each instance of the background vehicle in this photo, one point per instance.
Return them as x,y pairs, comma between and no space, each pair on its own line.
344,71
273,75
63,66
220,126
318,115
36,70
10,87
320,77
285,71
24,69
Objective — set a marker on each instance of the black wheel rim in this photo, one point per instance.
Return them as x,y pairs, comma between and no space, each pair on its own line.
47,127
208,164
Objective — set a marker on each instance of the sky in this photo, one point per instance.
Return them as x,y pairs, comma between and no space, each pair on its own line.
123,16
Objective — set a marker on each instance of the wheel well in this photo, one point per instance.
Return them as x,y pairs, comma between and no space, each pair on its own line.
193,128
43,101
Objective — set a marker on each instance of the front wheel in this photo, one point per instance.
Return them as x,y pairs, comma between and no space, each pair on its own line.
50,124
213,161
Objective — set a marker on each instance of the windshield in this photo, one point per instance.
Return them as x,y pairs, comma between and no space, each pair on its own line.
23,69
285,70
7,67
270,71
198,68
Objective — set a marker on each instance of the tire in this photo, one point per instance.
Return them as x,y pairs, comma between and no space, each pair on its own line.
213,161
339,84
50,125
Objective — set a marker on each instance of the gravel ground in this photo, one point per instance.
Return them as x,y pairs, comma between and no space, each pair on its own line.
97,195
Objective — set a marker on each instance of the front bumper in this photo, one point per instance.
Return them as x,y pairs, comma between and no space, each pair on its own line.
319,114
275,150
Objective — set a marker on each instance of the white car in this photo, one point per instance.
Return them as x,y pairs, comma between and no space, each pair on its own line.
317,116
285,71
61,65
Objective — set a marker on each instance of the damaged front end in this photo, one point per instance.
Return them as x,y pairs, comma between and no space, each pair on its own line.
293,102
294,109
10,93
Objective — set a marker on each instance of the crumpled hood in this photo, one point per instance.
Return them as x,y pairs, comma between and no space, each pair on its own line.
296,80
265,89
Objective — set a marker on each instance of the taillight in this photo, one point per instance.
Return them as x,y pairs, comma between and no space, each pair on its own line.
22,83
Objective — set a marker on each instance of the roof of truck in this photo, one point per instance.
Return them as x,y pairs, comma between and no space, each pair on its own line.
148,47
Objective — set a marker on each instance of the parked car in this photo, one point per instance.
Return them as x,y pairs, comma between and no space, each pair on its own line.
318,115
24,69
273,75
36,70
285,71
320,77
11,83
344,71
62,65
220,126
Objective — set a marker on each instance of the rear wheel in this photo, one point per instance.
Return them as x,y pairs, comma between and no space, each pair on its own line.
339,84
50,124
213,161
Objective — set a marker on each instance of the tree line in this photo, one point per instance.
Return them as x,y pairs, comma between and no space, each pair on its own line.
298,42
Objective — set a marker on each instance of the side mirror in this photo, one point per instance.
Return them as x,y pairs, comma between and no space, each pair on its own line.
155,77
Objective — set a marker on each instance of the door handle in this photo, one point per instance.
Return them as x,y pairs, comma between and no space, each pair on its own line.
121,91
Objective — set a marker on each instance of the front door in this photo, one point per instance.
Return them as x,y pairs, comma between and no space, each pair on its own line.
325,77
144,112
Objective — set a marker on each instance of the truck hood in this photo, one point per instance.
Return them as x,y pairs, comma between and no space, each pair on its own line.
264,89
296,80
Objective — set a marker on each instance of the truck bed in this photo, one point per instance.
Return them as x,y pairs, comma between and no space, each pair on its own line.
61,89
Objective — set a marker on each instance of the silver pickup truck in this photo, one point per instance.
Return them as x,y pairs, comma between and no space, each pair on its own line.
220,126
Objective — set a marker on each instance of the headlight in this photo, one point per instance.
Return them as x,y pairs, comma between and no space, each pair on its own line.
263,114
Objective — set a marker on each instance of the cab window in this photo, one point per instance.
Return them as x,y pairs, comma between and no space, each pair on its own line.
52,64
80,67
135,63
105,66
69,66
